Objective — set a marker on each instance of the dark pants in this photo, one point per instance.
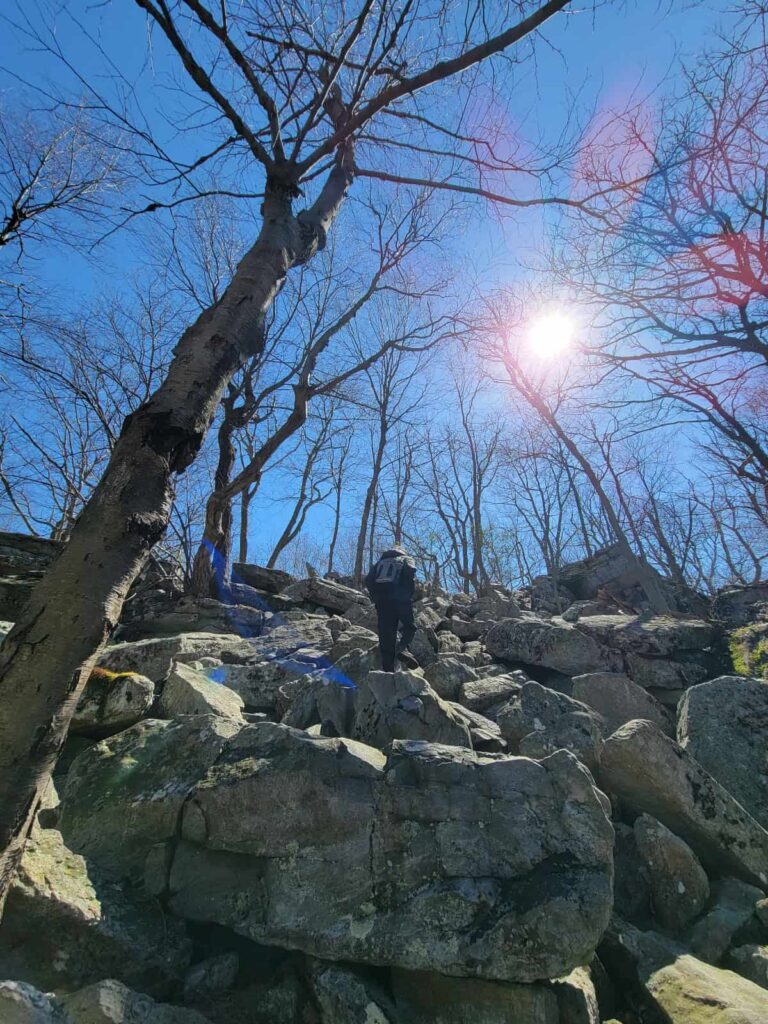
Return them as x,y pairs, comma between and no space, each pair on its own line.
392,614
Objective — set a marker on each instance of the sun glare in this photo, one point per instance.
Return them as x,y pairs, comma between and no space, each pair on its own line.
550,334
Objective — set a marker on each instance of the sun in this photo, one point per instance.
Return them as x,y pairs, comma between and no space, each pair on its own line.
550,334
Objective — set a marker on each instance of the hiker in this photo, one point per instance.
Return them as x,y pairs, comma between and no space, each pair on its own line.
391,583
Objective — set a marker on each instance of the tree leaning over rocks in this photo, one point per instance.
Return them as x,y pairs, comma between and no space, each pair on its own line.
327,83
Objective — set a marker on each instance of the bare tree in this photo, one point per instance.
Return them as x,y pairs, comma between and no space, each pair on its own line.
299,120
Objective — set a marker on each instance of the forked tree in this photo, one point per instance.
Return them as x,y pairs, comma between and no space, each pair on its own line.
306,90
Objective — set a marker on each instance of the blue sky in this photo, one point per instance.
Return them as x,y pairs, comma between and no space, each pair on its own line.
603,57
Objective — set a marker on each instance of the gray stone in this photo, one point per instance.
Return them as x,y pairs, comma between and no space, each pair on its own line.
750,962
656,636
551,645
688,989
188,692
210,977
153,658
651,773
469,629
434,858
484,733
345,996
427,998
355,638
334,597
21,1003
632,884
124,794
447,674
202,614
109,1002
111,702
67,924
576,998
262,578
535,708
403,706
739,606
618,700
679,886
578,732
736,751
660,674
733,904
491,692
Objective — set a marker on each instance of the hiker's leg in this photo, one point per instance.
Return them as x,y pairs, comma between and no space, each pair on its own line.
387,622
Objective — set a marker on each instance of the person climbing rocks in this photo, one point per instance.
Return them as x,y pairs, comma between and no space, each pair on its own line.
391,583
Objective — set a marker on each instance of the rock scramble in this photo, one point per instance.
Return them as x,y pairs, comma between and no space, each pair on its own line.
558,818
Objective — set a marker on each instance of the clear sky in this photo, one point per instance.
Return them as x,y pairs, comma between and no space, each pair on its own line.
592,60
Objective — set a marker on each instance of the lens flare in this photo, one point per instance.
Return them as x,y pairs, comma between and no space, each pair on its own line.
550,334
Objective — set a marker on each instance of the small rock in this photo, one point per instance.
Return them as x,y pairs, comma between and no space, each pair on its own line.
111,702
210,977
750,962
733,904
109,1002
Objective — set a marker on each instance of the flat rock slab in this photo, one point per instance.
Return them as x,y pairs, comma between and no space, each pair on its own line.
154,657
735,752
559,646
189,692
432,858
657,636
653,774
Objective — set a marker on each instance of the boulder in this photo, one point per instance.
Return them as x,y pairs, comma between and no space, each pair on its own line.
469,629
484,733
189,692
403,706
22,554
109,1002
740,606
679,887
346,996
434,858
659,636
203,614
493,606
536,708
618,700
632,884
446,675
334,597
111,702
733,905
423,997
488,694
354,638
210,977
67,924
125,794
153,658
576,998
21,1003
750,962
262,578
659,674
736,751
689,992
653,774
576,731
559,646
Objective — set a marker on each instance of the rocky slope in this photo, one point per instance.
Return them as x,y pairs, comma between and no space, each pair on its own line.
559,818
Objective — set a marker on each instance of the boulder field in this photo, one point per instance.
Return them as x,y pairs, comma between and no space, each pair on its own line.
559,817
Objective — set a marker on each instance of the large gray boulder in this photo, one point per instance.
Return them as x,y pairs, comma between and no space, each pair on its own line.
433,858
262,578
487,694
21,1003
655,636
189,692
125,794
403,706
153,658
559,646
110,1002
735,750
447,674
536,708
653,774
67,924
334,597
618,700
111,702
578,732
